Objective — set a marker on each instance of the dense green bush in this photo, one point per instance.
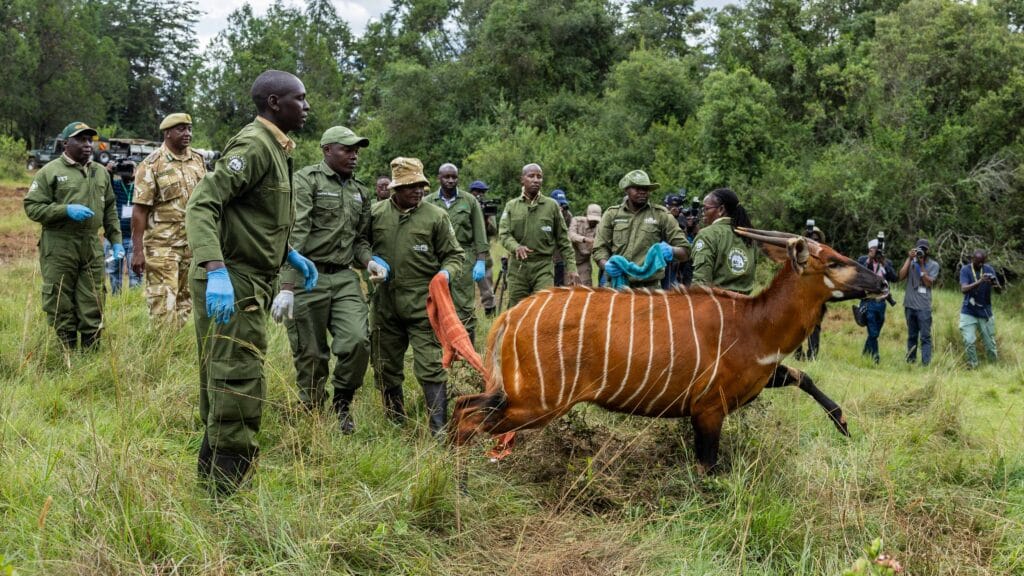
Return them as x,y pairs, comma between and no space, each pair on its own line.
12,157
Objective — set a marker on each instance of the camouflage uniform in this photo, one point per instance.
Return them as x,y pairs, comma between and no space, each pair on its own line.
164,183
582,234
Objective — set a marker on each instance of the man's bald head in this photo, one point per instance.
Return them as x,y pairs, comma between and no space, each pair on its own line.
448,167
280,98
273,83
532,179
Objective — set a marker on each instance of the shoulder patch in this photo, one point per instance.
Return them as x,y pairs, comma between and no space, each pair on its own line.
737,261
236,163
698,245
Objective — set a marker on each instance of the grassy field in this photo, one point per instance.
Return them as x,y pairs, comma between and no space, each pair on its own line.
97,467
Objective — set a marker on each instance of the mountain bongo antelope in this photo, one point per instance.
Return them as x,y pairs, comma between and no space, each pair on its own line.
698,352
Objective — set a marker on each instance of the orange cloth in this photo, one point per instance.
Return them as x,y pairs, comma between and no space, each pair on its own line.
455,344
450,332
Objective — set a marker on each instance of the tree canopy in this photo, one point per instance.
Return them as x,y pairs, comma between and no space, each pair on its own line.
896,115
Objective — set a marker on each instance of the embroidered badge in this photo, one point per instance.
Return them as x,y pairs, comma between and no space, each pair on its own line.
546,229
737,261
698,245
236,163
420,248
650,220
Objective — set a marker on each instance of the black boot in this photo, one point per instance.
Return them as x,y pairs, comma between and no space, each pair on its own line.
90,340
68,339
342,403
394,405
229,469
436,396
205,459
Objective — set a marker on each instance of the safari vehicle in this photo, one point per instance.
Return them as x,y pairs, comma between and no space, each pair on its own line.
104,151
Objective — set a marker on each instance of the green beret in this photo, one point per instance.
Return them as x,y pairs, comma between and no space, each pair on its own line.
342,135
173,120
638,179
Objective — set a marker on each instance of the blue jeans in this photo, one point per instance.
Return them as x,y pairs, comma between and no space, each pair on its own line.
874,313
919,324
115,268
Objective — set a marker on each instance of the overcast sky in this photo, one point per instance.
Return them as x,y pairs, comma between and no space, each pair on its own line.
355,12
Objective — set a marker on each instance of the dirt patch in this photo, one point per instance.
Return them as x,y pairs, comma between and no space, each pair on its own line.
601,470
16,242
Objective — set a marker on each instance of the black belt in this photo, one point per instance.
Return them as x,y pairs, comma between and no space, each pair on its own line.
329,268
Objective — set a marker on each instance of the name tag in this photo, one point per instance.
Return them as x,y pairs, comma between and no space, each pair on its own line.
922,290
126,211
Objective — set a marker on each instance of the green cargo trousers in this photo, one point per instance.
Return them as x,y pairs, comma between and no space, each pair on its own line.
336,307
528,276
463,291
71,264
231,382
389,340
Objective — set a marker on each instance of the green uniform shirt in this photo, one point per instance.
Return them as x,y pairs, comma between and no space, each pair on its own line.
242,212
62,182
723,259
467,219
332,219
539,226
631,234
416,245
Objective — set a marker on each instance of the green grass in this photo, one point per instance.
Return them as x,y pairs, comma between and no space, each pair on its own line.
97,470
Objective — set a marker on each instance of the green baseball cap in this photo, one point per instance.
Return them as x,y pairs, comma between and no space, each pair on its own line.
342,135
76,128
639,179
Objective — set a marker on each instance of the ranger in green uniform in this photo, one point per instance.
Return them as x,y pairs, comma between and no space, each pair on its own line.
720,257
468,220
631,228
237,222
531,228
71,197
413,241
332,220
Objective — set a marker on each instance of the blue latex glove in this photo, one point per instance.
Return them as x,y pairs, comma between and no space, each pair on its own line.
383,264
117,251
447,276
479,269
666,251
220,296
77,212
612,270
306,266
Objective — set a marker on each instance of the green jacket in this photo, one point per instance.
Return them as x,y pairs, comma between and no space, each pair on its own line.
631,234
722,259
468,220
62,182
416,245
242,212
332,219
539,226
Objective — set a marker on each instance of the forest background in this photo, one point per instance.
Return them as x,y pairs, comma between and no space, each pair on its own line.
866,115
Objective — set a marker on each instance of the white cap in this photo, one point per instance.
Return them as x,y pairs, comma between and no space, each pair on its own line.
873,243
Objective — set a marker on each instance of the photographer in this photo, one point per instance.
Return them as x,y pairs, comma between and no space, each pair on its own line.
814,340
977,279
920,272
874,310
122,180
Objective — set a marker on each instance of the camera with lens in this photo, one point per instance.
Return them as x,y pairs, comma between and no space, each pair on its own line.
919,252
489,207
125,168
